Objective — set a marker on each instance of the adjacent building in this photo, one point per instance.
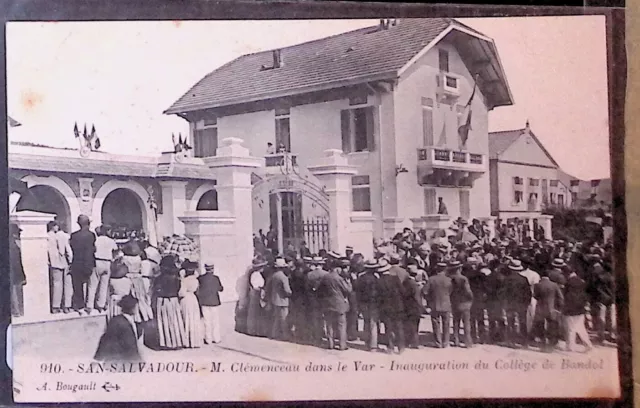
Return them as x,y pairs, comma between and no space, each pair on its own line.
403,104
525,180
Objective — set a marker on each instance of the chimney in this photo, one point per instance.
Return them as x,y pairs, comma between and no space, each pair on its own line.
527,128
277,59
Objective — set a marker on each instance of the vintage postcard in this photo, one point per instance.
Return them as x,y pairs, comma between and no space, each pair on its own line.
280,210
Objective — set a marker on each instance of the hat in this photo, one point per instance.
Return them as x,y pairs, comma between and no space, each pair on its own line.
189,265
383,262
485,271
307,259
454,264
558,263
371,265
472,260
280,263
318,260
516,265
441,265
349,248
128,302
209,267
333,254
384,267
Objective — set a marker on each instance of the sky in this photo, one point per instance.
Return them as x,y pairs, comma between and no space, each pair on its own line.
121,76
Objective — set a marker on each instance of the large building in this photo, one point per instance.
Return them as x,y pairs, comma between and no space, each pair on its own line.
397,101
525,179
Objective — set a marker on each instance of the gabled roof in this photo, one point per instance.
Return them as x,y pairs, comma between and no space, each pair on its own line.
500,141
354,57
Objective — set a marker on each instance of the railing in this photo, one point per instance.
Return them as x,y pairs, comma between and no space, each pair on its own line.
446,155
275,160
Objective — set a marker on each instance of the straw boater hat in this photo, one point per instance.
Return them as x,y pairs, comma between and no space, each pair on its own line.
383,267
558,263
454,265
441,266
371,265
307,259
317,260
280,263
334,255
516,265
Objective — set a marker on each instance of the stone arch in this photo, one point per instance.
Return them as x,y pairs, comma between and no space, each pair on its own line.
148,218
197,195
63,189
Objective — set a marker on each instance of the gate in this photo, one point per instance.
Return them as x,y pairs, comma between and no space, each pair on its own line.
316,234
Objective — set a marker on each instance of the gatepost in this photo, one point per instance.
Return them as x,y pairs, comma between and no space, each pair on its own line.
335,172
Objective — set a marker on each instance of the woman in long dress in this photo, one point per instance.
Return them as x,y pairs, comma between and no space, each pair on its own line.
190,307
171,330
140,288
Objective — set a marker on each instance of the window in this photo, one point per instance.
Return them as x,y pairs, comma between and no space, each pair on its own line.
465,209
517,181
517,197
427,122
359,100
443,58
283,130
361,193
574,183
553,183
534,182
574,196
430,206
533,198
205,138
552,198
357,130
561,200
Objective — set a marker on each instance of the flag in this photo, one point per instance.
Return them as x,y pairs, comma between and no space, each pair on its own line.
75,130
180,139
84,133
173,139
442,141
97,144
463,130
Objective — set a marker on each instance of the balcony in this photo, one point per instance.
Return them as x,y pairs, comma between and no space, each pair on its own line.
277,160
446,159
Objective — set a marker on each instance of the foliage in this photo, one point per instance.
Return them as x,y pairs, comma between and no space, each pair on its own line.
571,224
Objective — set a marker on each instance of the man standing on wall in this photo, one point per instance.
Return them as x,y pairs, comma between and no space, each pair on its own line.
83,245
59,253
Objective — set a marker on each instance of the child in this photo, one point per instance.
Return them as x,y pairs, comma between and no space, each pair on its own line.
209,297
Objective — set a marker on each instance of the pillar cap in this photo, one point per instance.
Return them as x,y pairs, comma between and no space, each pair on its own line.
31,217
333,162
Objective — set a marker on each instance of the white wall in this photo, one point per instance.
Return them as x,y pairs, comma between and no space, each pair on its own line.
506,172
526,150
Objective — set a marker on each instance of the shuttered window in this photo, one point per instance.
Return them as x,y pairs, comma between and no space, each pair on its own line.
358,130
430,206
361,193
465,209
427,122
205,142
443,57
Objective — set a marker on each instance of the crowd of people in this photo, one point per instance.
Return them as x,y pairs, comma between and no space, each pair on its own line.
516,291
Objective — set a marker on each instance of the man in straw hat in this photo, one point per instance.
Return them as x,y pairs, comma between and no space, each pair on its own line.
367,292
391,308
438,293
209,288
517,293
461,300
314,277
278,294
334,291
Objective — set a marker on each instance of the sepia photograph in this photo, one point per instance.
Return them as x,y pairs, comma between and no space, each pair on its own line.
285,210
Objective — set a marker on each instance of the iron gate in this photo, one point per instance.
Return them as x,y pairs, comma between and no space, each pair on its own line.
315,233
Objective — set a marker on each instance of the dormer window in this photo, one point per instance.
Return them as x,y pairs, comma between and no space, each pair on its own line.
443,60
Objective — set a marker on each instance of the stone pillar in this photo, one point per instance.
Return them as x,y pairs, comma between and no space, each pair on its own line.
545,222
174,205
362,234
334,171
33,246
233,166
391,226
491,224
214,233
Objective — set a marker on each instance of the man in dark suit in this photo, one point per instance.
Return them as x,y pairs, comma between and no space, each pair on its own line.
278,293
208,293
120,339
438,293
391,308
313,279
575,302
556,273
461,300
477,276
334,291
367,293
549,301
517,293
494,285
413,307
83,246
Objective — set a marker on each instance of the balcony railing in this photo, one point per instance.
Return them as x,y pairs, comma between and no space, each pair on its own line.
448,158
276,160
